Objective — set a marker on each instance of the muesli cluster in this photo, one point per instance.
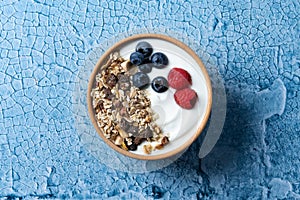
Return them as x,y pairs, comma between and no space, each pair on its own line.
123,111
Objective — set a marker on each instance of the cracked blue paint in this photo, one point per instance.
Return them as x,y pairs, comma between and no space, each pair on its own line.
255,44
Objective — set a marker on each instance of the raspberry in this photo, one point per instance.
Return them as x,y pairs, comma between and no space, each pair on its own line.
179,78
186,98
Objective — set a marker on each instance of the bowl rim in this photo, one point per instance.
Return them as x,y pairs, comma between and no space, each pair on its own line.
104,58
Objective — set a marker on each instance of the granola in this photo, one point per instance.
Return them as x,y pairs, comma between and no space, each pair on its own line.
123,112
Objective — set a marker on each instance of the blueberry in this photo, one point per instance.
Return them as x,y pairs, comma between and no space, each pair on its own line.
140,80
160,84
146,68
137,58
159,60
132,147
145,48
147,60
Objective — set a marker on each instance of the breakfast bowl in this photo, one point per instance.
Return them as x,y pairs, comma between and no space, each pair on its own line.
149,96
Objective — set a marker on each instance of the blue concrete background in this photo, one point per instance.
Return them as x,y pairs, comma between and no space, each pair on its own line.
256,46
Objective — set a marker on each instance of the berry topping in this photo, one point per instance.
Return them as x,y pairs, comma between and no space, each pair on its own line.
131,147
159,60
179,78
160,84
140,80
186,98
136,58
146,68
145,48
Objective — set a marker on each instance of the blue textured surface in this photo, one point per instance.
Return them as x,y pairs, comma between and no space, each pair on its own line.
256,46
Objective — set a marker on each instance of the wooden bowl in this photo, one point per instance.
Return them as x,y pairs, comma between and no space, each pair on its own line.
183,126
